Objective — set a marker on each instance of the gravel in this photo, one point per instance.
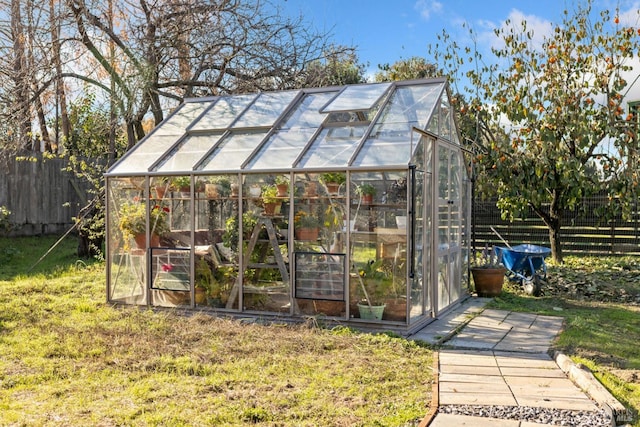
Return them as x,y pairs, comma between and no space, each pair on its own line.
558,417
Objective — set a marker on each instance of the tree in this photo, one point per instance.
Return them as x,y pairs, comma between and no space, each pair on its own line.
339,66
169,50
406,69
551,127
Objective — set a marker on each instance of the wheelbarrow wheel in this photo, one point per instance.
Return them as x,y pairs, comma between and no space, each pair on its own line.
533,286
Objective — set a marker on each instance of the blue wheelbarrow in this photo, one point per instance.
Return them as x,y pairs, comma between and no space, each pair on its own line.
525,263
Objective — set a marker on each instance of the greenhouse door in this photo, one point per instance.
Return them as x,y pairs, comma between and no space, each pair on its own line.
449,217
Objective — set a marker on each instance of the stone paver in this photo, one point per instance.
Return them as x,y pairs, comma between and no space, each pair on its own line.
499,358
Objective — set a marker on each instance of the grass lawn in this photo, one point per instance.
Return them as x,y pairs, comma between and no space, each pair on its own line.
599,297
69,359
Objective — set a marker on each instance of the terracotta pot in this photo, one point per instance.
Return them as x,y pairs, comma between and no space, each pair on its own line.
367,199
283,190
160,192
141,241
332,188
270,209
307,233
488,281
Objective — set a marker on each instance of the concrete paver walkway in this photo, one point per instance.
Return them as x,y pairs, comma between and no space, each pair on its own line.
499,358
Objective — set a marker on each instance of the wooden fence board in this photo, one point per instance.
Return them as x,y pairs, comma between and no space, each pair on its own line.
37,192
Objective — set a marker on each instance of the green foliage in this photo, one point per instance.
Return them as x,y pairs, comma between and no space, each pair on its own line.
337,177
269,194
231,235
282,179
366,189
90,129
375,277
568,135
5,223
133,219
406,69
338,67
181,182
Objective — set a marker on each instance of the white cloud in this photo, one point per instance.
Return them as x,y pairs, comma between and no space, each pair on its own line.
427,7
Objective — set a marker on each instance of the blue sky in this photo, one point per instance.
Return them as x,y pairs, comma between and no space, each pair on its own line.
389,30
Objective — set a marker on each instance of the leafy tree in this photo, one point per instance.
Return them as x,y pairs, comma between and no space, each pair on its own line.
550,123
406,69
339,66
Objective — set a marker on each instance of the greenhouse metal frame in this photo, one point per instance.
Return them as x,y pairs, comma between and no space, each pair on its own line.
348,202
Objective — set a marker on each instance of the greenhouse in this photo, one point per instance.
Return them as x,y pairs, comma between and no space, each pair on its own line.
347,202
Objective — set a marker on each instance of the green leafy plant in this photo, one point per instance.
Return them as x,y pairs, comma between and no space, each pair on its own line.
337,177
366,189
375,282
304,219
282,179
231,236
181,182
269,194
487,258
223,182
133,219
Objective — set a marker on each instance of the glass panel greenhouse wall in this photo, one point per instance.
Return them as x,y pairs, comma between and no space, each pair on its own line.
296,203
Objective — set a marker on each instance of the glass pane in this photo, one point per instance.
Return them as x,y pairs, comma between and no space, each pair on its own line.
282,149
223,113
145,154
285,145
390,140
319,217
177,123
267,108
409,106
455,170
233,151
333,147
357,98
307,114
443,173
380,153
378,248
188,153
445,111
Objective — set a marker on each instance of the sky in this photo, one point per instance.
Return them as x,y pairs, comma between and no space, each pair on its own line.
385,31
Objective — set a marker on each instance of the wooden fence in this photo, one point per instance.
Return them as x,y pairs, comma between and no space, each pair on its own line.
41,196
582,232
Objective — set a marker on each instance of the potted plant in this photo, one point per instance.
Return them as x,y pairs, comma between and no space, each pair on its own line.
161,185
182,184
488,273
332,181
133,223
374,282
270,200
217,186
306,225
204,281
366,191
282,184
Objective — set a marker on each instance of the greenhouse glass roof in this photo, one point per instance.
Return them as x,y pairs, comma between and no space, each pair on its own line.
367,125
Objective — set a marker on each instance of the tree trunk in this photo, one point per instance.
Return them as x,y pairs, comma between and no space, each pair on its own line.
20,77
556,243
61,98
